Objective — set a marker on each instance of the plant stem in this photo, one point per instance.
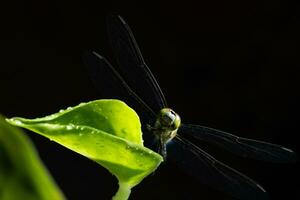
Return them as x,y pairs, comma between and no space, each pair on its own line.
123,192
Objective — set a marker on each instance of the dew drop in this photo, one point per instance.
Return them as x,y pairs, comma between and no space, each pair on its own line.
16,121
92,132
61,110
69,108
70,127
77,127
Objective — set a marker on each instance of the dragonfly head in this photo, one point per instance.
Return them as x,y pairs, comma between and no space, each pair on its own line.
169,119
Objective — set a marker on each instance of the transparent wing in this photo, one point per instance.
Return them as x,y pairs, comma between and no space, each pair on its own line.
211,172
244,147
131,63
111,85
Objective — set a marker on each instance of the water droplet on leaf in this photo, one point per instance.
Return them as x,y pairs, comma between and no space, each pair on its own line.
16,121
70,126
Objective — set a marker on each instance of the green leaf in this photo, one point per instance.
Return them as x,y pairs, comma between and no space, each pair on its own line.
106,131
22,174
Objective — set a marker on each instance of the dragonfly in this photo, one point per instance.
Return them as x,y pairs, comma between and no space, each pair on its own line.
133,82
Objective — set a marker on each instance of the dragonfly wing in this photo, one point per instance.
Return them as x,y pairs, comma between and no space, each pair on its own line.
131,63
111,85
211,172
241,146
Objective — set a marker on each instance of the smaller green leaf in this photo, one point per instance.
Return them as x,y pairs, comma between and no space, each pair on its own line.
22,174
106,131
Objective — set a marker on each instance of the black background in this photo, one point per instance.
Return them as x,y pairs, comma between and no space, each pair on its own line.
230,65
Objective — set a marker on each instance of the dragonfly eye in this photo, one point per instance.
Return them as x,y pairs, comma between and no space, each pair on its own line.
169,118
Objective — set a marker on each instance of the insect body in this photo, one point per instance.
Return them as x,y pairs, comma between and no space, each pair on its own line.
165,128
134,83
